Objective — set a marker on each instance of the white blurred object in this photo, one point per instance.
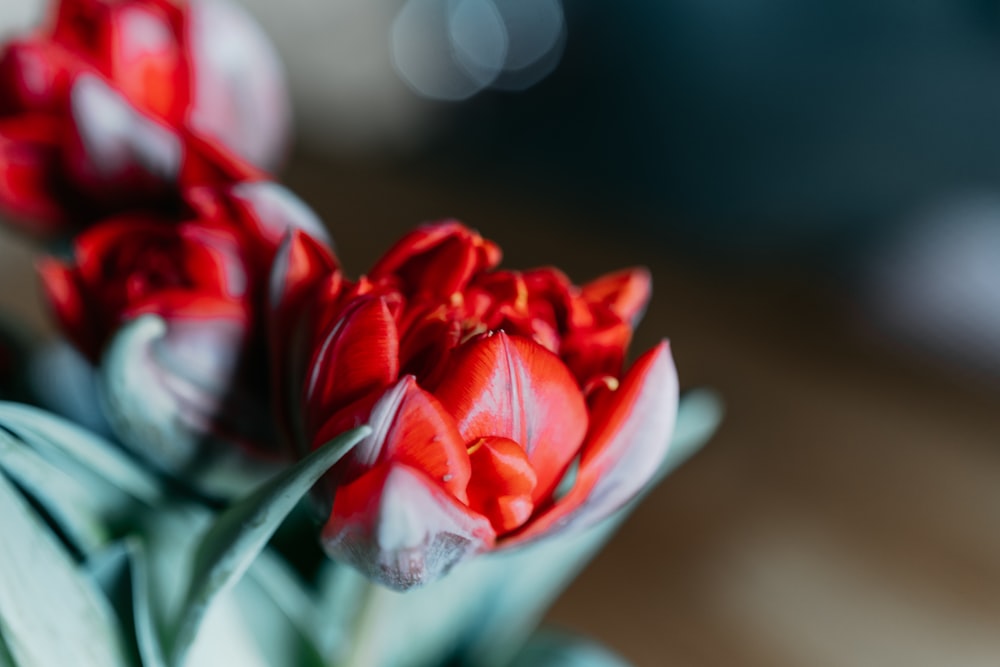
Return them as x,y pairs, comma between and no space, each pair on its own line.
364,74
20,15
453,49
939,284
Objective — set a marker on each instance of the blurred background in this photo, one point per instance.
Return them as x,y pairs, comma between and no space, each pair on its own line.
816,188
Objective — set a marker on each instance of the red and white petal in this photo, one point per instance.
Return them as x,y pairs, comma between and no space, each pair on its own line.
625,292
358,356
409,426
240,93
628,440
300,265
512,387
402,529
274,210
115,149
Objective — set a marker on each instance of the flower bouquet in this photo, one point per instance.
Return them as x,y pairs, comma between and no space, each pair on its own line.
245,456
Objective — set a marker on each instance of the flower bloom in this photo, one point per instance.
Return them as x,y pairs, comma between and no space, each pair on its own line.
482,387
115,103
201,367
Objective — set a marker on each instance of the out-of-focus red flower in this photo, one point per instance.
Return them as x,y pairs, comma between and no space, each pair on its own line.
482,388
205,278
117,103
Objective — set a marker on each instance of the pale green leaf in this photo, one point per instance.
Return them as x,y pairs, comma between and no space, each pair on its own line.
51,614
55,438
77,512
551,649
238,535
122,572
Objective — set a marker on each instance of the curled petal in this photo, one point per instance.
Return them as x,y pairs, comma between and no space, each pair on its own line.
402,529
167,382
409,426
359,355
502,483
437,260
273,210
625,292
116,148
628,439
240,93
300,265
512,387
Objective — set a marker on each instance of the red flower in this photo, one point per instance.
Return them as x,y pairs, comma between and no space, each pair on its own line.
203,367
115,103
482,388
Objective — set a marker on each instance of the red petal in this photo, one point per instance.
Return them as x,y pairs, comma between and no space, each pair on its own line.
358,356
629,437
29,161
146,62
437,260
512,387
272,210
34,76
411,427
502,483
210,162
61,288
625,292
300,265
401,529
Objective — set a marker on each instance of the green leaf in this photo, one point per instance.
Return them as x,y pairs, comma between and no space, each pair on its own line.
552,649
60,440
51,614
239,534
77,512
122,572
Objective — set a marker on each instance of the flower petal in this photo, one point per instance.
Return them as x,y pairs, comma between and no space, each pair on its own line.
401,529
29,159
625,292
66,299
116,150
145,60
358,356
437,260
240,92
502,483
273,210
628,439
300,265
509,386
409,426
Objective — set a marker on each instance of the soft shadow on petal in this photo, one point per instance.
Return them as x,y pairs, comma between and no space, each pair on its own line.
401,529
629,437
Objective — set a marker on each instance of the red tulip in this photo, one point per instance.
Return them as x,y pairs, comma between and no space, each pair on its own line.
482,388
204,279
117,103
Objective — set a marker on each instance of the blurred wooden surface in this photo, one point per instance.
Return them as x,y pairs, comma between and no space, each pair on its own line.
847,513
